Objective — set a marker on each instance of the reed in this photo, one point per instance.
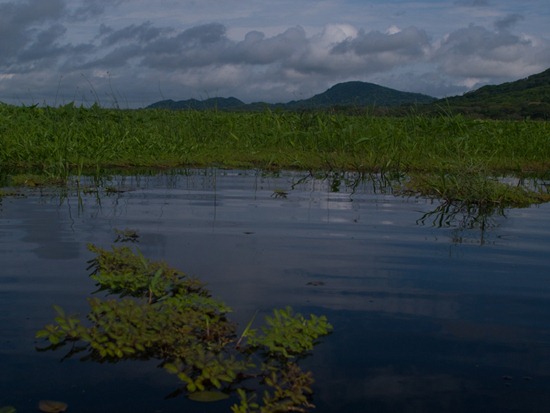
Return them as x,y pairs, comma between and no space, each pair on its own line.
70,140
472,188
65,140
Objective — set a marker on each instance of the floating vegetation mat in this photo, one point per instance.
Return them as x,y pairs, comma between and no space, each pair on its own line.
158,312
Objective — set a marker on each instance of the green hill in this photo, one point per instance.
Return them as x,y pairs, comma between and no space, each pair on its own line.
524,98
348,94
359,94
521,99
194,104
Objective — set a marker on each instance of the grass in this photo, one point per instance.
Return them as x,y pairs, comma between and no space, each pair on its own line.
472,189
69,140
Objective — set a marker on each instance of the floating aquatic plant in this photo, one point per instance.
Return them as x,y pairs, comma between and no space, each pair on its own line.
158,312
52,406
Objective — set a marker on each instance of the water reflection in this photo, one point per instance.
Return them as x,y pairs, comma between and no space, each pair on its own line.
432,304
339,186
463,216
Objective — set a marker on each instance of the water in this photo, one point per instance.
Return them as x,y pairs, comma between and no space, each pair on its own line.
426,318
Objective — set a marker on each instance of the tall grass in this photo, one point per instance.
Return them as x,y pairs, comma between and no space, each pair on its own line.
70,140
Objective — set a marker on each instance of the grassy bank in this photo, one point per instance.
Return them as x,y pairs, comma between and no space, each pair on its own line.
59,142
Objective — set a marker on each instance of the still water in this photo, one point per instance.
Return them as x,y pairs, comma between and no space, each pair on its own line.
432,311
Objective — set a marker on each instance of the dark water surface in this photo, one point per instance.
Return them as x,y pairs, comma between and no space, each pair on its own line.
426,318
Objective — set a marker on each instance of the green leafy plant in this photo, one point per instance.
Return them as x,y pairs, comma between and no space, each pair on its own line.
287,334
161,313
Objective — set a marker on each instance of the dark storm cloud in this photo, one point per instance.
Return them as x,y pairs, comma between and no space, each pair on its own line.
44,45
36,37
143,33
409,42
203,35
117,58
209,45
292,49
19,21
256,48
508,21
197,46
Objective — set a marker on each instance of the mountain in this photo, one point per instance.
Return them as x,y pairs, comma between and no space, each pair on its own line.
212,103
359,94
524,98
348,94
521,99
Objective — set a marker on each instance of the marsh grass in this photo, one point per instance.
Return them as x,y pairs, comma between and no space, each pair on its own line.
69,140
472,189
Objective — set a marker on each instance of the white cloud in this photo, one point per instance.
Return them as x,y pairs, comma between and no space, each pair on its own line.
393,30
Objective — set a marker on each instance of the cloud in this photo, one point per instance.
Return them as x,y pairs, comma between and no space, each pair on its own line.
24,13
508,21
257,49
92,8
62,47
44,45
431,83
340,50
472,3
19,23
476,52
407,43
194,47
142,33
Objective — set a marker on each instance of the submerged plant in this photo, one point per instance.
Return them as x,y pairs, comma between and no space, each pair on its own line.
161,313
126,235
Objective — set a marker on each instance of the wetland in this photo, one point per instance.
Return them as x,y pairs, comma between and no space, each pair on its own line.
422,240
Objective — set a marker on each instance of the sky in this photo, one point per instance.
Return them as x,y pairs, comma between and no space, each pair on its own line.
131,53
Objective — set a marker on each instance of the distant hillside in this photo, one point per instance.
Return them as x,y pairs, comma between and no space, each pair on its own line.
348,94
212,103
359,94
529,97
524,98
